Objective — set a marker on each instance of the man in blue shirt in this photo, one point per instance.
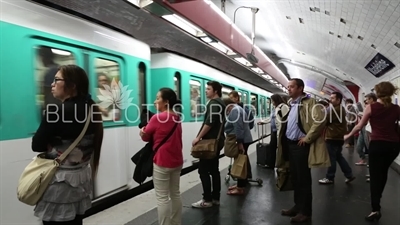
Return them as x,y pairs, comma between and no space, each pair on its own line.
302,135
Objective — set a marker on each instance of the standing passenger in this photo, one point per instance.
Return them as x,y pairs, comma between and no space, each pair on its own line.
68,195
168,160
214,118
236,125
301,143
234,96
384,146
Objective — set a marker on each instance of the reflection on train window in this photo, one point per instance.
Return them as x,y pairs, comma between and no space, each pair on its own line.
225,91
142,85
195,98
177,82
268,106
244,100
177,89
46,67
262,104
108,77
254,104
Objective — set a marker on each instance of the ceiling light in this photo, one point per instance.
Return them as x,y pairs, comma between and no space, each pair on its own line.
223,48
185,25
207,39
268,77
257,70
243,61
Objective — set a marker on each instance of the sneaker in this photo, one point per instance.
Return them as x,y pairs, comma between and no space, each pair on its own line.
361,163
367,176
326,181
215,202
367,180
202,204
348,180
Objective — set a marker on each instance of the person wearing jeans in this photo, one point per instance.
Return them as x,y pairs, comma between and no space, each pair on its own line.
335,130
211,129
236,124
165,131
384,146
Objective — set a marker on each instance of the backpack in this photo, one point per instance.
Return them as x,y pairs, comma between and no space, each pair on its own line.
250,117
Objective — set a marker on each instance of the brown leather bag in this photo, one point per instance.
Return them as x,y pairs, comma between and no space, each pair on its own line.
231,148
207,148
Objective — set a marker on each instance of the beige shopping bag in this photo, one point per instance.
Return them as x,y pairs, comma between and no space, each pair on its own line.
239,168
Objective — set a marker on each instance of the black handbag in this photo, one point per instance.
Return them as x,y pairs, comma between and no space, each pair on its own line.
144,159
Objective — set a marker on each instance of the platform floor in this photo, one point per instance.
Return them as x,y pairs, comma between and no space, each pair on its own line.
337,204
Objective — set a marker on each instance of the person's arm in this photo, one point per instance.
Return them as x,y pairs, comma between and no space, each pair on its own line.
364,120
150,129
46,131
319,122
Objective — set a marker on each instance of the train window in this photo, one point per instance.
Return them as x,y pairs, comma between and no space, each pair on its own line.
245,100
268,106
254,104
142,85
195,98
225,91
46,67
108,77
262,106
177,82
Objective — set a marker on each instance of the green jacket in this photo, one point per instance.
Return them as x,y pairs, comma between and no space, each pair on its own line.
336,125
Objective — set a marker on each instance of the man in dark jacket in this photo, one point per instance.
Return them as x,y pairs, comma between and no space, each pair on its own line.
335,130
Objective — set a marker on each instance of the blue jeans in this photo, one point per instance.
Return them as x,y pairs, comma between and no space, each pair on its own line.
362,143
335,154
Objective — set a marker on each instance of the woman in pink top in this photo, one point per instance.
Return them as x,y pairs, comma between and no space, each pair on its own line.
384,144
168,159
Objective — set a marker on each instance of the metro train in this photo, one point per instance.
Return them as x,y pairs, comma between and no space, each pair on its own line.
35,40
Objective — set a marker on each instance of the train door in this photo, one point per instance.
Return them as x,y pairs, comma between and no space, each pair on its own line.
111,91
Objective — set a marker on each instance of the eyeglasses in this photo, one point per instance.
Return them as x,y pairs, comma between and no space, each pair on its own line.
57,79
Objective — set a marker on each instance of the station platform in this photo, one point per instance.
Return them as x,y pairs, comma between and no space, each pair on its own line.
335,204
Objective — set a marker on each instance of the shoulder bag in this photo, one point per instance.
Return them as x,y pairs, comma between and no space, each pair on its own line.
207,148
39,173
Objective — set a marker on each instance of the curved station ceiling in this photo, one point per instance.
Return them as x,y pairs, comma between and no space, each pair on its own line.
332,45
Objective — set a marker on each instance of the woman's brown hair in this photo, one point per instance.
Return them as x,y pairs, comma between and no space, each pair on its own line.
384,91
277,99
76,80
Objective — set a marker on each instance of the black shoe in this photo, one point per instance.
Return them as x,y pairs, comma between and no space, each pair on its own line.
348,180
374,216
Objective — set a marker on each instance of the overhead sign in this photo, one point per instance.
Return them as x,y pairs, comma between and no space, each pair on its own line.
379,65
